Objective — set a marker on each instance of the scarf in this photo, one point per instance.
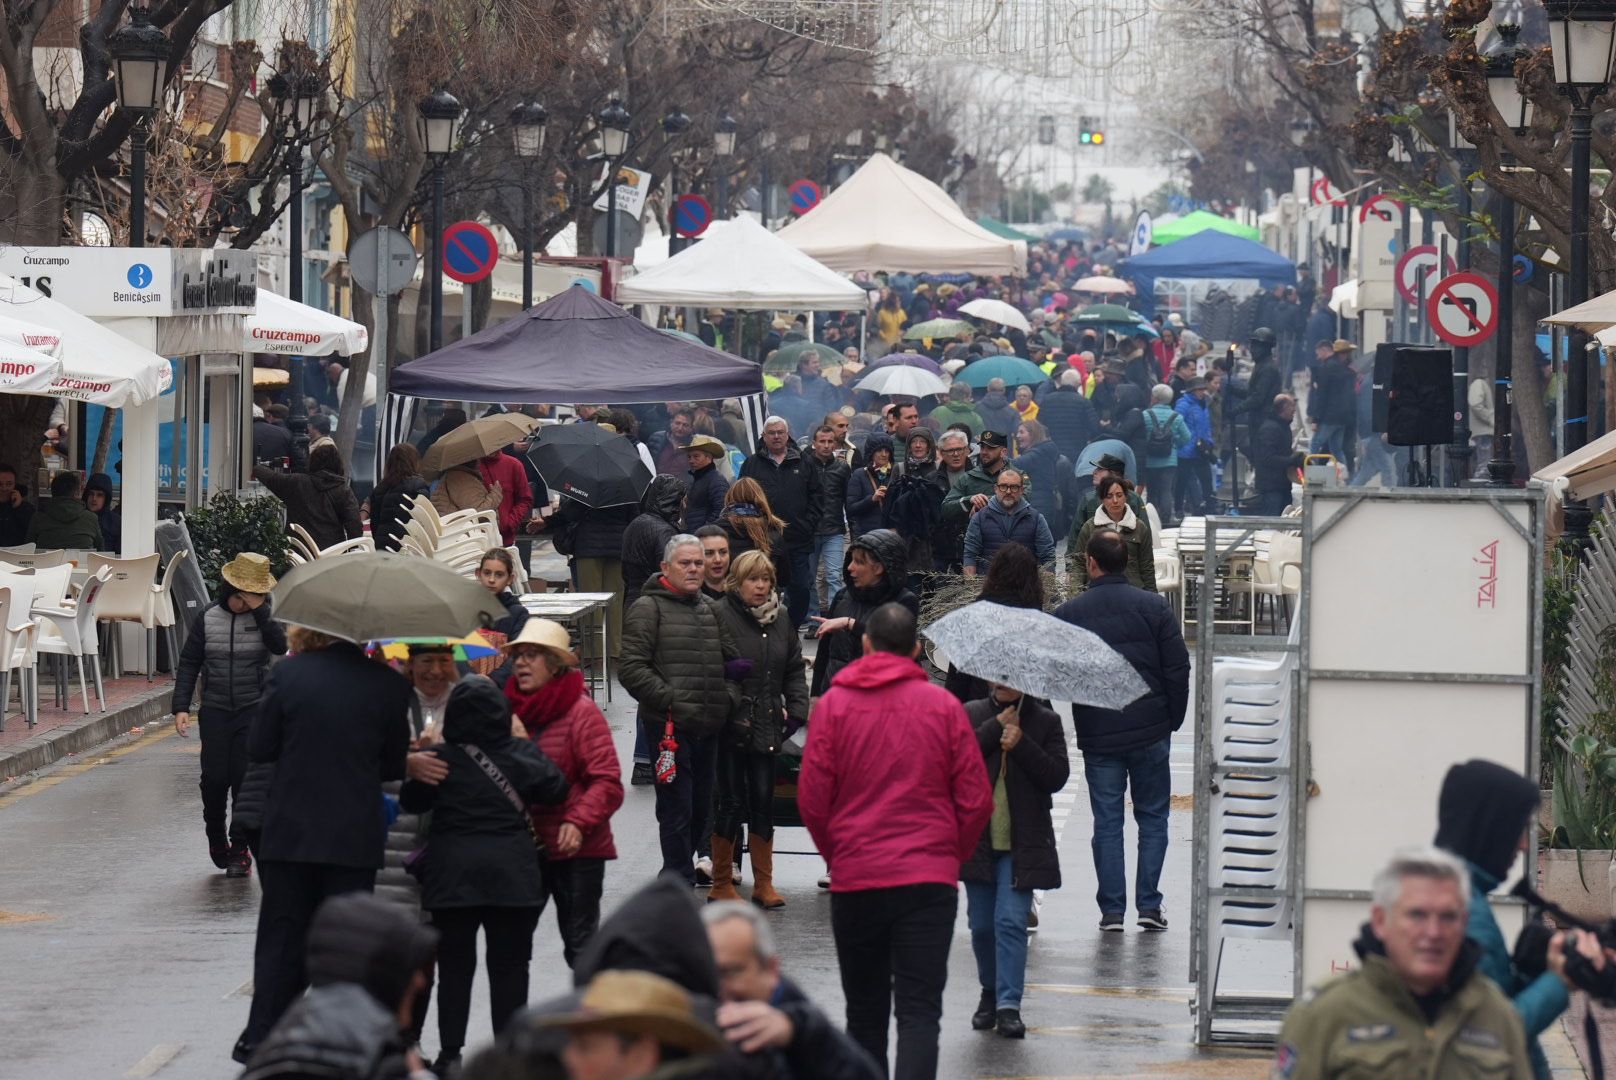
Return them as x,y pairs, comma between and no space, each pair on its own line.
766,612
1128,522
432,712
549,702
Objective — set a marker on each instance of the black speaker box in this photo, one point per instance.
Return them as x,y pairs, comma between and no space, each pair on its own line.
1419,401
1381,383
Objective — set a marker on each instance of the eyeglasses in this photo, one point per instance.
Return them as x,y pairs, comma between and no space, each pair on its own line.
955,449
1007,487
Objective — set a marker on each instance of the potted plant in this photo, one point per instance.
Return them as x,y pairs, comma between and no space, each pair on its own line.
1578,863
230,525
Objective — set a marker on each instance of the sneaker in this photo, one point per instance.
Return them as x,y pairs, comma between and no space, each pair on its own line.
824,880
1153,919
1008,1024
1112,922
704,872
982,1019
642,774
220,854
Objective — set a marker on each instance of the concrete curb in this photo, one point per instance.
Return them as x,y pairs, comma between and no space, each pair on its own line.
75,737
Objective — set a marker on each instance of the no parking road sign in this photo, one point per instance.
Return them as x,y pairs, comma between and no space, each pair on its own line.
691,215
804,195
1415,264
1463,309
469,251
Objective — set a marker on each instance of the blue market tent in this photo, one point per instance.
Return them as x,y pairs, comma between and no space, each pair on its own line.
1207,254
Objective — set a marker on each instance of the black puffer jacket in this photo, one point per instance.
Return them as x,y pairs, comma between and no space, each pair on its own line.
790,488
480,848
1140,625
838,649
583,533
776,681
338,1032
230,652
658,522
247,809
673,654
1036,769
389,507
321,502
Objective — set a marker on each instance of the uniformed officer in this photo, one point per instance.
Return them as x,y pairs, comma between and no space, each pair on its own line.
1416,1008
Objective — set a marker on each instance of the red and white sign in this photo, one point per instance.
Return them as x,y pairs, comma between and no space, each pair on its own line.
1463,309
1383,208
1323,192
1420,263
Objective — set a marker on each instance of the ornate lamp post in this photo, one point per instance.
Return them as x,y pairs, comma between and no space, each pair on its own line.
140,67
440,130
723,150
614,121
296,95
1516,110
674,124
527,136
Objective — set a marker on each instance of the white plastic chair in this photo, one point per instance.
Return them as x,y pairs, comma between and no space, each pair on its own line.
70,631
19,636
19,549
127,598
38,560
1170,581
358,543
163,615
51,584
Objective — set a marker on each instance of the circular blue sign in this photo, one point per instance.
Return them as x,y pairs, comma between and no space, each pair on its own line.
469,251
139,276
804,196
691,215
1524,269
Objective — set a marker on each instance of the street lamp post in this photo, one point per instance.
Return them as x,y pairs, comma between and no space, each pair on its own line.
1462,150
527,135
723,150
614,121
1515,108
440,129
140,64
296,96
674,124
1581,36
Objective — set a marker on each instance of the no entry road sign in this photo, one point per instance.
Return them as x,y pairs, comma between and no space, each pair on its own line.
1463,309
469,251
691,215
804,195
1416,263
1383,208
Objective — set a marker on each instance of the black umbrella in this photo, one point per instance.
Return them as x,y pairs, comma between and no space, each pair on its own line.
588,463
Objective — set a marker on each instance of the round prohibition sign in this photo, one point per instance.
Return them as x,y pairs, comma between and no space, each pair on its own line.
1415,263
469,251
1463,309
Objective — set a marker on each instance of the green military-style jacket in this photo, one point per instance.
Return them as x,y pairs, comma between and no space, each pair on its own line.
1367,1024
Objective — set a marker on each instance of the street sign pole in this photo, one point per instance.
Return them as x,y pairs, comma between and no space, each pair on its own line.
378,359
1459,453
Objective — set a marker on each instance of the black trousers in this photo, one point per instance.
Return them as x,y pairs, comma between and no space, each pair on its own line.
892,947
509,932
745,793
575,885
683,808
224,763
292,892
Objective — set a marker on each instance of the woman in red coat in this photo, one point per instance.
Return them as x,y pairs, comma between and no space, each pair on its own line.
546,691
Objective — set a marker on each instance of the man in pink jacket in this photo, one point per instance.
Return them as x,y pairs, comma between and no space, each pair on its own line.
895,793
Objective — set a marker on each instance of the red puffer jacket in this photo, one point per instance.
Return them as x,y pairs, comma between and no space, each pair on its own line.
577,739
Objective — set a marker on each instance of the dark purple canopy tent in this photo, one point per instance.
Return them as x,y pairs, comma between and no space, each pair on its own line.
576,347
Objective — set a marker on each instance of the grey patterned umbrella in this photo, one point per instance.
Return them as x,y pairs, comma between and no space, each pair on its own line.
1037,654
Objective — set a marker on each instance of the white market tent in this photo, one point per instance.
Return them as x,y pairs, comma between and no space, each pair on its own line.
740,264
887,217
1596,316
98,365
281,325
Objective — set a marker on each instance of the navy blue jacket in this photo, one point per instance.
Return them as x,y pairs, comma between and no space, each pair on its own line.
1141,626
993,526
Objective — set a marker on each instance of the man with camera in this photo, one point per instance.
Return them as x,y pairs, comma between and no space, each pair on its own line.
1418,1006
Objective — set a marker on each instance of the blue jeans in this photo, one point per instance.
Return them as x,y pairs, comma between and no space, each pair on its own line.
828,552
801,583
997,915
1331,439
1146,770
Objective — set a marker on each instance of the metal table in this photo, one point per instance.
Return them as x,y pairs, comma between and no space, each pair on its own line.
576,610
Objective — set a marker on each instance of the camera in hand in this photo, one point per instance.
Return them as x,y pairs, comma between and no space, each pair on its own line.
1531,956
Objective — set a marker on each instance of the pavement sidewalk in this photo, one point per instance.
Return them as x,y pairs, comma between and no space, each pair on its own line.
132,702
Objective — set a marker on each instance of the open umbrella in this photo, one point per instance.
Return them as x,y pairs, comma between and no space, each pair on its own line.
380,594
1036,653
1108,313
901,381
785,358
1012,369
1066,233
997,311
681,335
268,376
938,328
590,464
476,439
1109,286
473,647
908,359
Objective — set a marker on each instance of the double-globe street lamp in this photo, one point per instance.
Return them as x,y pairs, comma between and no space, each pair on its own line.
296,92
527,136
1582,34
439,127
1515,108
140,67
614,120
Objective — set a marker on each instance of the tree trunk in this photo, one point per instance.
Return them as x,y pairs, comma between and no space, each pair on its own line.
103,445
1527,381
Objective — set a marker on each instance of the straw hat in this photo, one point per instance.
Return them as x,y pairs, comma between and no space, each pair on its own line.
249,572
546,634
707,445
640,1003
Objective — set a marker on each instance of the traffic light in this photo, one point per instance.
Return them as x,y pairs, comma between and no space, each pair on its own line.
1089,131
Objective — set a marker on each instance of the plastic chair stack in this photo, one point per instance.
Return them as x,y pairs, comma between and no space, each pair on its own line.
19,639
458,540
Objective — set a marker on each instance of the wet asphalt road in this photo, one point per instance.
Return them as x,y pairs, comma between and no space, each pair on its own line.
123,953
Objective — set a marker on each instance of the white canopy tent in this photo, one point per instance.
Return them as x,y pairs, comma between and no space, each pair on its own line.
740,264
887,217
281,325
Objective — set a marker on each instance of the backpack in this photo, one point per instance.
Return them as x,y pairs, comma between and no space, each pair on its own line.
1158,437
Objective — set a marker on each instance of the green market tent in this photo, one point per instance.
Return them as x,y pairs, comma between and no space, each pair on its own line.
999,228
1199,221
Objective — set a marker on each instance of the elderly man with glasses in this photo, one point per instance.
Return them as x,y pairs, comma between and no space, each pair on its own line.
1008,517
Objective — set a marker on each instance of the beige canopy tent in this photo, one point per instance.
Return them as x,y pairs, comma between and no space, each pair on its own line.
887,217
1596,316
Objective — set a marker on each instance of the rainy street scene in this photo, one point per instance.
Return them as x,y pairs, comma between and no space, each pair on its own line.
808,540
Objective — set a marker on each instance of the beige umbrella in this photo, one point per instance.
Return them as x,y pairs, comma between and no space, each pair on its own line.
476,439
382,595
268,376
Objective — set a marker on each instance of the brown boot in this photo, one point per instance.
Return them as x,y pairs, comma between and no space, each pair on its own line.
763,894
723,870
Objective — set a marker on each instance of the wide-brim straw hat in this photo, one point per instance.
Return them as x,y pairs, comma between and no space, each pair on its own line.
707,445
249,572
640,1003
546,634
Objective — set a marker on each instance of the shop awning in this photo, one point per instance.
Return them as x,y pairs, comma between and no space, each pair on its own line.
97,365
281,325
